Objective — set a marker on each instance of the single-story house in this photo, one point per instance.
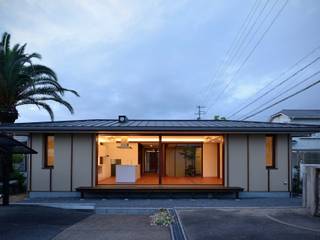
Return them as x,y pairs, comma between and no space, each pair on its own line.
123,153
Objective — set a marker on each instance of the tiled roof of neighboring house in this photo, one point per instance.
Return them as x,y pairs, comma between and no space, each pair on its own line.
299,113
157,125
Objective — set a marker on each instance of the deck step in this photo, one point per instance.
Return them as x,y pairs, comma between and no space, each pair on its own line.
162,191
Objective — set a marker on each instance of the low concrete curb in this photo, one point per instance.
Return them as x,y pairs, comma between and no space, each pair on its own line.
133,210
74,206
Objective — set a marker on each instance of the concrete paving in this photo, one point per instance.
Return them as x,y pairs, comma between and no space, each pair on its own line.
33,223
241,223
103,227
278,218
167,203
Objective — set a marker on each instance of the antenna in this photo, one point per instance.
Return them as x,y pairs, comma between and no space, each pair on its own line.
200,112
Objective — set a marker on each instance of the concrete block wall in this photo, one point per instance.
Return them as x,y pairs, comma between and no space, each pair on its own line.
311,190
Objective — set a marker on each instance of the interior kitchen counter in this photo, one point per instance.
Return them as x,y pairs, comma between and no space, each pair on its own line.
127,173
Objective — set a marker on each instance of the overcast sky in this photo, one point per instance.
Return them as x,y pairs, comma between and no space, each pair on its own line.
160,59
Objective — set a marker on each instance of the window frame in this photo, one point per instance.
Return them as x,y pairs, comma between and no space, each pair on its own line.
274,139
45,145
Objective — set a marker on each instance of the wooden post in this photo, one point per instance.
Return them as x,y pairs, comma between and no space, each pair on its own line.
6,161
160,165
218,160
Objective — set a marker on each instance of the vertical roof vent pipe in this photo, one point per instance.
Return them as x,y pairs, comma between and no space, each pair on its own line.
122,119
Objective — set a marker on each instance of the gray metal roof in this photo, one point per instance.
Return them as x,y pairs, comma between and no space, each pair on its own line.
96,125
300,113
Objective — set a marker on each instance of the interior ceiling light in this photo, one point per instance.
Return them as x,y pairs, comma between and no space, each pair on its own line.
124,144
155,139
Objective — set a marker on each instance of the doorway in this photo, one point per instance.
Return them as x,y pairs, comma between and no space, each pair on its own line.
151,160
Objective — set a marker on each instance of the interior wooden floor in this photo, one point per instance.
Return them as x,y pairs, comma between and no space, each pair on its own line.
154,179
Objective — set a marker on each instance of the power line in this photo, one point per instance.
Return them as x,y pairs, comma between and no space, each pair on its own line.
272,81
200,112
239,43
246,44
250,30
279,84
287,90
250,53
260,25
283,99
233,45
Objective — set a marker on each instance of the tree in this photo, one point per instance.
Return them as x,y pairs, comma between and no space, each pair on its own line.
24,83
217,117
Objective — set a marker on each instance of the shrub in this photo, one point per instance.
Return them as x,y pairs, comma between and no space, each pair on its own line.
162,218
20,178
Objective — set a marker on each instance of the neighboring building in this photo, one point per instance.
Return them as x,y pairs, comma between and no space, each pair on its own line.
21,164
119,153
304,148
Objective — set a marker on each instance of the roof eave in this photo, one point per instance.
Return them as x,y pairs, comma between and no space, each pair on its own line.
161,129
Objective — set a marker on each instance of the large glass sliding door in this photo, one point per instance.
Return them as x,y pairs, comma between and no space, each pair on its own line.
127,160
141,160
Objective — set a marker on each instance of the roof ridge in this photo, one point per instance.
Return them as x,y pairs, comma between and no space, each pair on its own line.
154,120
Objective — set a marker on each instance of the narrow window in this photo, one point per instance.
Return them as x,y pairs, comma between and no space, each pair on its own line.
49,151
270,151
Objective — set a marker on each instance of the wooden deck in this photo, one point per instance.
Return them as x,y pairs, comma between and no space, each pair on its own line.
154,179
153,190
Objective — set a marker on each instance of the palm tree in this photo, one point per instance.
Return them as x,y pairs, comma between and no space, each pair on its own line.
24,83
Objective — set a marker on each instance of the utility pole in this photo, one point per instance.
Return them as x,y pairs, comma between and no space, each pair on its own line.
200,112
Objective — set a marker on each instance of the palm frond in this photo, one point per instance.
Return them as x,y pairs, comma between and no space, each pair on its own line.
23,82
6,41
39,105
58,100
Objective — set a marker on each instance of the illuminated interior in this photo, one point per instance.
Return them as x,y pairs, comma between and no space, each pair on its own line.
138,160
50,156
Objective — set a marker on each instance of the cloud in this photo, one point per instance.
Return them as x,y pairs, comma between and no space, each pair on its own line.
151,59
248,88
80,22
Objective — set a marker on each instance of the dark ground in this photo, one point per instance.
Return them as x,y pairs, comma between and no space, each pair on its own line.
32,223
223,222
249,224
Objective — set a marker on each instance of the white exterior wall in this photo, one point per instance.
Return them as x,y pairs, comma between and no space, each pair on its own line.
279,176
82,160
62,165
258,175
281,118
240,160
83,167
40,180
